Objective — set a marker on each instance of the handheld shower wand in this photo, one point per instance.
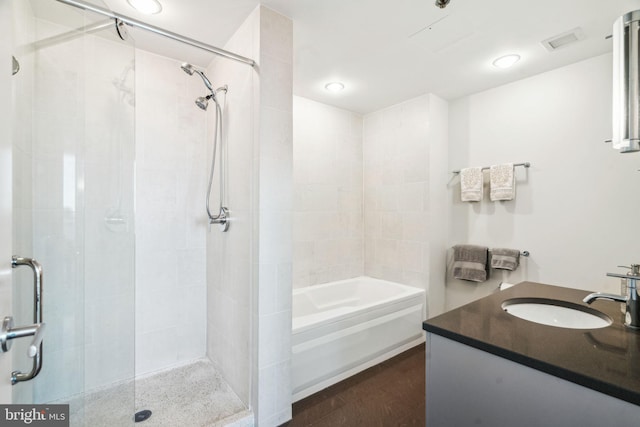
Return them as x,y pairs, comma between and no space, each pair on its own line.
190,69
222,218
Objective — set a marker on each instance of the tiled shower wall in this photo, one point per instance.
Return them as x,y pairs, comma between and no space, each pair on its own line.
108,149
229,274
327,194
73,205
18,131
249,268
364,192
396,188
57,213
273,258
171,224
7,21
405,174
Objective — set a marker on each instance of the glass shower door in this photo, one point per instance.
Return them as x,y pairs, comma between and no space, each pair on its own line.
73,153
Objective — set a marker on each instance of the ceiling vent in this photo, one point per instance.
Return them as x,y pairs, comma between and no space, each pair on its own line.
564,39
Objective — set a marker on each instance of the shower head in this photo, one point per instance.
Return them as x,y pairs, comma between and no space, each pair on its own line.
190,69
187,68
203,101
442,3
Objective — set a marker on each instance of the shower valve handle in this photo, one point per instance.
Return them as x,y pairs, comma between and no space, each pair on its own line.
222,219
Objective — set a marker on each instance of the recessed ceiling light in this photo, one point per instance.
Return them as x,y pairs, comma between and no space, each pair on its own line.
506,61
334,86
149,7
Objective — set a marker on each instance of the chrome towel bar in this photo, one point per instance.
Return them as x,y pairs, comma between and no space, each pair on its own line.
525,164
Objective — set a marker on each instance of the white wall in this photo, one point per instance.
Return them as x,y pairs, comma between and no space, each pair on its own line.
171,224
397,193
438,218
230,272
371,189
71,151
573,206
249,267
105,167
7,105
396,190
327,194
55,221
274,252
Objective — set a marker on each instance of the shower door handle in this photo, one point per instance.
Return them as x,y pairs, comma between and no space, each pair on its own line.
37,329
8,332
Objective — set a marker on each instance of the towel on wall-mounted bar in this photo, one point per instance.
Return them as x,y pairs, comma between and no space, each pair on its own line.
502,181
505,259
471,180
470,262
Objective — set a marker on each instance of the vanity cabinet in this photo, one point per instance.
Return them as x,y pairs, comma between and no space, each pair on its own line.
485,367
470,387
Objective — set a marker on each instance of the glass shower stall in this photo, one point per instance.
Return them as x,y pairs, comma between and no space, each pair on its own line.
72,153
105,248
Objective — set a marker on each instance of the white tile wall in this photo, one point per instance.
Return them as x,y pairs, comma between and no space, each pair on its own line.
249,268
274,198
362,199
171,224
230,274
438,201
171,160
16,158
327,194
108,176
396,193
63,192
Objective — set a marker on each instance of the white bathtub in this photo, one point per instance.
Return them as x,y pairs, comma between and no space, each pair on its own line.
344,327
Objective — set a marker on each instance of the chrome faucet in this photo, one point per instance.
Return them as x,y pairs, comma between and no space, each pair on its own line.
632,301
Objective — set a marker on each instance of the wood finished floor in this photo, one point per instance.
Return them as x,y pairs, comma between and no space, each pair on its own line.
386,395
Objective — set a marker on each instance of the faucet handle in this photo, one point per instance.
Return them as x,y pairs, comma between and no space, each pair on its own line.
624,276
635,268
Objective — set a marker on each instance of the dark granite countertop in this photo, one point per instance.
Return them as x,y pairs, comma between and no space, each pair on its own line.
605,359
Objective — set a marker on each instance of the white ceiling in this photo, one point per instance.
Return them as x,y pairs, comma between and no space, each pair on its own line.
387,51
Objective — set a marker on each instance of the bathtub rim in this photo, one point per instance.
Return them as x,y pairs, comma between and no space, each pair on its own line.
412,292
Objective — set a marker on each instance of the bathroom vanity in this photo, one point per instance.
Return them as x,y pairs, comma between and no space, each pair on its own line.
487,367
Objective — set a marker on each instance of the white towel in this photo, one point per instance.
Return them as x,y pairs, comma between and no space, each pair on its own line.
471,184
502,181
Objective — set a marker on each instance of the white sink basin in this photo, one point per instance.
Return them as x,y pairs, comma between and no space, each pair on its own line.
556,313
